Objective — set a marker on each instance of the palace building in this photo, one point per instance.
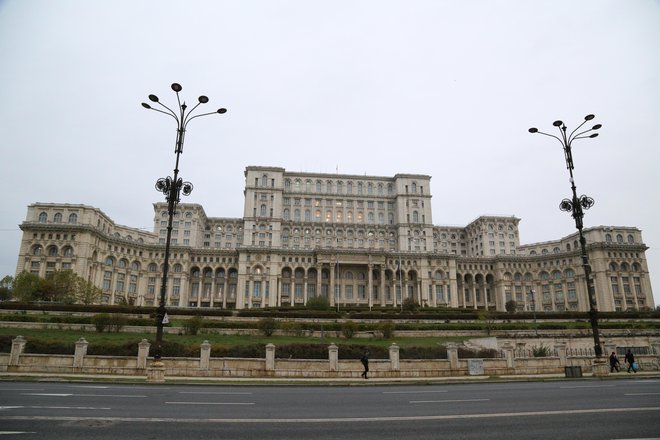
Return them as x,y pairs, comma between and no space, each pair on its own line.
356,240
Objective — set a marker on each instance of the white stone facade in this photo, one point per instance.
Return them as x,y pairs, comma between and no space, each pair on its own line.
357,240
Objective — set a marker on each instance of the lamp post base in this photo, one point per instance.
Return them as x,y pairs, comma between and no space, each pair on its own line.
156,372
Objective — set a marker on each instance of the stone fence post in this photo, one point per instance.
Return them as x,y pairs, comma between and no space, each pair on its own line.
143,353
270,357
452,355
17,349
610,346
81,351
655,345
204,355
394,357
561,352
333,356
508,354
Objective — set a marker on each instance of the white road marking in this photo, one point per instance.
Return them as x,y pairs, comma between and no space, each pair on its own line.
449,401
10,407
90,386
413,392
338,419
66,407
210,403
587,386
213,392
82,395
641,394
16,432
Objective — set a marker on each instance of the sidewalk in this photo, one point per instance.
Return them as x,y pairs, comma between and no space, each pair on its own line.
6,376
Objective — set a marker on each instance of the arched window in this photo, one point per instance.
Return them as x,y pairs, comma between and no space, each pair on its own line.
109,261
135,265
614,267
370,217
544,276
625,267
608,238
340,187
73,218
380,189
349,188
177,268
52,251
544,251
287,184
318,186
328,186
43,217
390,189
286,215
631,239
296,215
36,250
122,263
438,275
381,218
195,272
619,238
308,185
414,188
370,188
262,211
297,185
308,215
556,275
359,187
67,251
264,180
152,267
415,217
556,250
58,217
569,273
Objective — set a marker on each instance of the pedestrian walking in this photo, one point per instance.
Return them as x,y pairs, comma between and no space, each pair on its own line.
630,360
365,363
614,363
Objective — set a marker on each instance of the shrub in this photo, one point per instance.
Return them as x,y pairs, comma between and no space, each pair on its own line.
541,351
348,329
191,326
510,306
267,326
101,322
410,305
292,328
386,329
318,303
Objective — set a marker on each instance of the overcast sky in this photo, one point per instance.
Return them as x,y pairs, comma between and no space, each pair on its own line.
444,88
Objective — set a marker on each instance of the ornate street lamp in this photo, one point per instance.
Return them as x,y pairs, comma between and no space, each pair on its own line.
576,206
172,188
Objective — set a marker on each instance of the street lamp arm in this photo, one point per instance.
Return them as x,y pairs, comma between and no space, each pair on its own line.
570,137
197,116
170,110
551,135
165,113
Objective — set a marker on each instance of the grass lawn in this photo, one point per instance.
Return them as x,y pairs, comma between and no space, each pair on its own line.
71,336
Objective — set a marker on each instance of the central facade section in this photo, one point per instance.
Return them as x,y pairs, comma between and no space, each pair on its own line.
346,238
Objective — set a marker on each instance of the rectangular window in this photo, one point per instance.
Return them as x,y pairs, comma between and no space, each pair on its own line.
348,291
362,292
256,289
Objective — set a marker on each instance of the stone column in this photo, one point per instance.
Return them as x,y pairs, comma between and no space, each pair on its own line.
452,356
205,355
81,351
370,286
561,352
333,355
508,353
143,353
394,357
655,345
331,294
270,357
17,349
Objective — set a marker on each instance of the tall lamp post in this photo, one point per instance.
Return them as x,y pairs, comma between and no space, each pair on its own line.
576,206
172,188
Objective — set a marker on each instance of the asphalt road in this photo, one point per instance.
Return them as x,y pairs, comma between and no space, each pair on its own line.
586,409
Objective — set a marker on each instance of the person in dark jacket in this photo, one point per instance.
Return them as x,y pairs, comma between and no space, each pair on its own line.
614,363
630,360
365,363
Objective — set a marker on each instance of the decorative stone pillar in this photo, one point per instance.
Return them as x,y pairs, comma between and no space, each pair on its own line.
143,353
81,351
204,355
610,346
270,357
452,356
600,367
156,372
394,357
333,356
655,345
561,352
508,354
17,349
